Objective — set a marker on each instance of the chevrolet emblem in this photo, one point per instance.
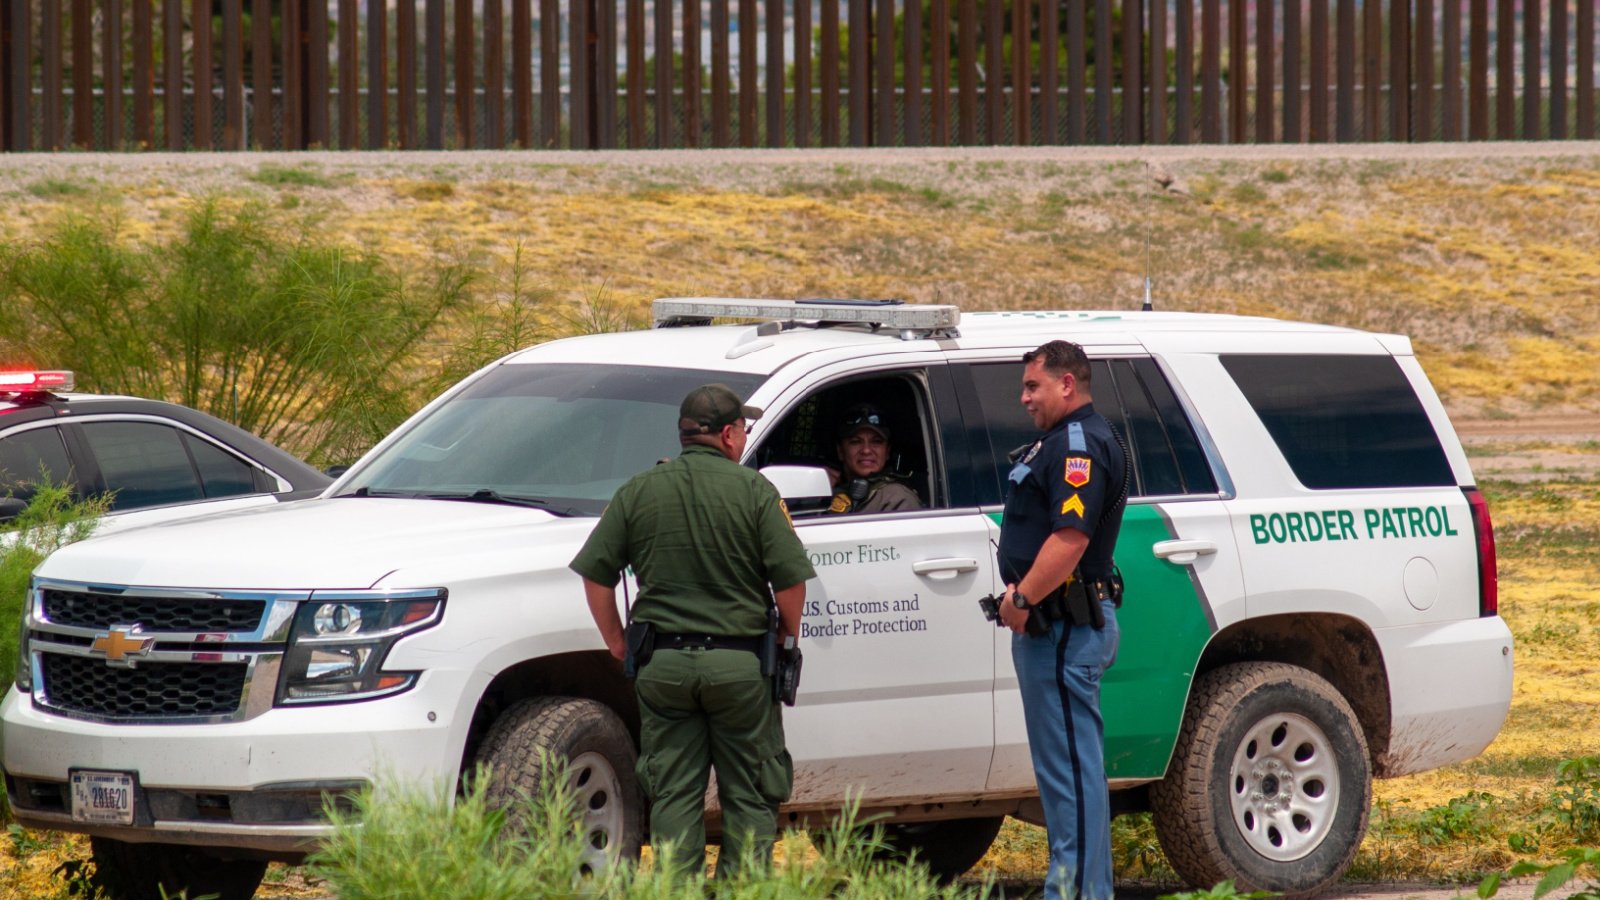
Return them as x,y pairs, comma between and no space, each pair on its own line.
120,644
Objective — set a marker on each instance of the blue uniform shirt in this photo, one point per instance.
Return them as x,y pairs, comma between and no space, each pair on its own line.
1064,480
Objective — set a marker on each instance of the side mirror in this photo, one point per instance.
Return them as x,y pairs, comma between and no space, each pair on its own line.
799,482
335,471
11,507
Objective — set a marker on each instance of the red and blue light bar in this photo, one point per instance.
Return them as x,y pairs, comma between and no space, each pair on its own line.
32,382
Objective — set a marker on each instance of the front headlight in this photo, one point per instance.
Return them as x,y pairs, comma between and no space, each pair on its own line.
23,677
24,673
340,640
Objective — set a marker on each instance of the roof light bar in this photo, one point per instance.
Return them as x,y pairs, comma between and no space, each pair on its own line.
28,382
896,314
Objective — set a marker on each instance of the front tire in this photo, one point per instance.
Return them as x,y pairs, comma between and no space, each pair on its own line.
1270,783
600,757
125,871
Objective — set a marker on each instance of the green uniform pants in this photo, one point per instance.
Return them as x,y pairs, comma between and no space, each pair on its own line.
704,708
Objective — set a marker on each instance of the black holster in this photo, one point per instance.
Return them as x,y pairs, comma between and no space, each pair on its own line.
639,642
768,650
1084,599
786,673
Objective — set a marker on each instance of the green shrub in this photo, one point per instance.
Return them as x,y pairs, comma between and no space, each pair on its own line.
1577,798
1460,817
1570,813
51,521
244,314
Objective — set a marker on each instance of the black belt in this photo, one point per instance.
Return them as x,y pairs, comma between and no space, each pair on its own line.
1079,601
706,642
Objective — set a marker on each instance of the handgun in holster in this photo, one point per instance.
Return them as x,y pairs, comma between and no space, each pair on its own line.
786,674
1084,599
769,643
639,642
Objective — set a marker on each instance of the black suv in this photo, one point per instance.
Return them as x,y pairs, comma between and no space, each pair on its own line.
149,455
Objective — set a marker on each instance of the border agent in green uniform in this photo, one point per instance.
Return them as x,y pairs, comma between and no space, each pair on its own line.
706,536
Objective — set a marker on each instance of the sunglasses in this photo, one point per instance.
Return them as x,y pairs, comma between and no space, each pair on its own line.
868,419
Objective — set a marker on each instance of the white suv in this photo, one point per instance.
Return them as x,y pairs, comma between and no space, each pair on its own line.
1310,598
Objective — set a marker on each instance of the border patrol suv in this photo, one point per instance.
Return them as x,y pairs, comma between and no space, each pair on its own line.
1311,599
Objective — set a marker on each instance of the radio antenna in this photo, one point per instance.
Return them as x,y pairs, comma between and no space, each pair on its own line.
1147,306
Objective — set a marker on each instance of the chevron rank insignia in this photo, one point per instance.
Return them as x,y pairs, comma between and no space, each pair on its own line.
1072,504
1078,471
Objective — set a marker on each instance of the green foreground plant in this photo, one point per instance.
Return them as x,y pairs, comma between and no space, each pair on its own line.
52,519
401,840
1554,875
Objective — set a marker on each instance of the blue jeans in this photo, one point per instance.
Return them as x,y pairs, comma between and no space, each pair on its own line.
1059,676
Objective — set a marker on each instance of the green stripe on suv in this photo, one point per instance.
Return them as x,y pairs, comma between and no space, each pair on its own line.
1164,629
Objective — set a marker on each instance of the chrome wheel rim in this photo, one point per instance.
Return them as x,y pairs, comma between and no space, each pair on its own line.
597,792
1284,786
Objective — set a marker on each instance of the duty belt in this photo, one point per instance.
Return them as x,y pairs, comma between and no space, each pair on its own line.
706,642
1079,601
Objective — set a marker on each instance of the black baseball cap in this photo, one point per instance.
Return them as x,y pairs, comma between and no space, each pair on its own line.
709,407
864,415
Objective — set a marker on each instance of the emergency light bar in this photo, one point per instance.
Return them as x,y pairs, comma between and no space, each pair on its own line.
36,382
911,319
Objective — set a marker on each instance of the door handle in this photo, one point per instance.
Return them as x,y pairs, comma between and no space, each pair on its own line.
1183,553
949,566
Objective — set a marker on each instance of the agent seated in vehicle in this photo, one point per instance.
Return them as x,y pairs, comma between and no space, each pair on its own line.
864,485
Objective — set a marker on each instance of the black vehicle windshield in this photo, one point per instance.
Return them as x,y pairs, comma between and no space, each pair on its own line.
565,435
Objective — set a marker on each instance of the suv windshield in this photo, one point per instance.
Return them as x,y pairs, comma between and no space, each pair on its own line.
564,436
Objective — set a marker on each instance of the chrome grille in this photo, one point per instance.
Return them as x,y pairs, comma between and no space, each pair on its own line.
87,686
153,614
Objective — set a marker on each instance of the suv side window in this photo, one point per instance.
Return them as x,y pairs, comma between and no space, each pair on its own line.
1343,421
27,456
143,463
808,433
221,473
1132,393
1167,459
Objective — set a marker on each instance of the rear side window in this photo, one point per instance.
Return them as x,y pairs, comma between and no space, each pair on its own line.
1132,393
221,474
1167,457
143,464
29,456
1343,421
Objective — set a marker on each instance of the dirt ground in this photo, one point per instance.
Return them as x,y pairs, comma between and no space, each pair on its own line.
1532,448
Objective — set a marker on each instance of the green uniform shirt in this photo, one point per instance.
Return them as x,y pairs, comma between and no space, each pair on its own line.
705,536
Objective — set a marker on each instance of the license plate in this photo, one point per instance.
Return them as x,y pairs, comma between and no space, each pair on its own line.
102,797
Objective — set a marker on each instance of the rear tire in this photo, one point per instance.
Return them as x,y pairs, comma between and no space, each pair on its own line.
125,871
600,755
949,848
1270,783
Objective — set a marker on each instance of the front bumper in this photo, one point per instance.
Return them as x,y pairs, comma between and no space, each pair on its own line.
1449,690
257,784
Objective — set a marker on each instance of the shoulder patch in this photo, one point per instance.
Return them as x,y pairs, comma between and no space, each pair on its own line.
1075,439
1077,473
785,507
1072,504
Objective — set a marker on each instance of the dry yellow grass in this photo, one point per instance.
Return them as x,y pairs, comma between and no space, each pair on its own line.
1487,264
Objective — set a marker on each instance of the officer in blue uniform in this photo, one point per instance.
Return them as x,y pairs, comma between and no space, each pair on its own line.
1063,510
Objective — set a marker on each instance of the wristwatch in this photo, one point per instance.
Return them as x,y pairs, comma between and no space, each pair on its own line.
1018,600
